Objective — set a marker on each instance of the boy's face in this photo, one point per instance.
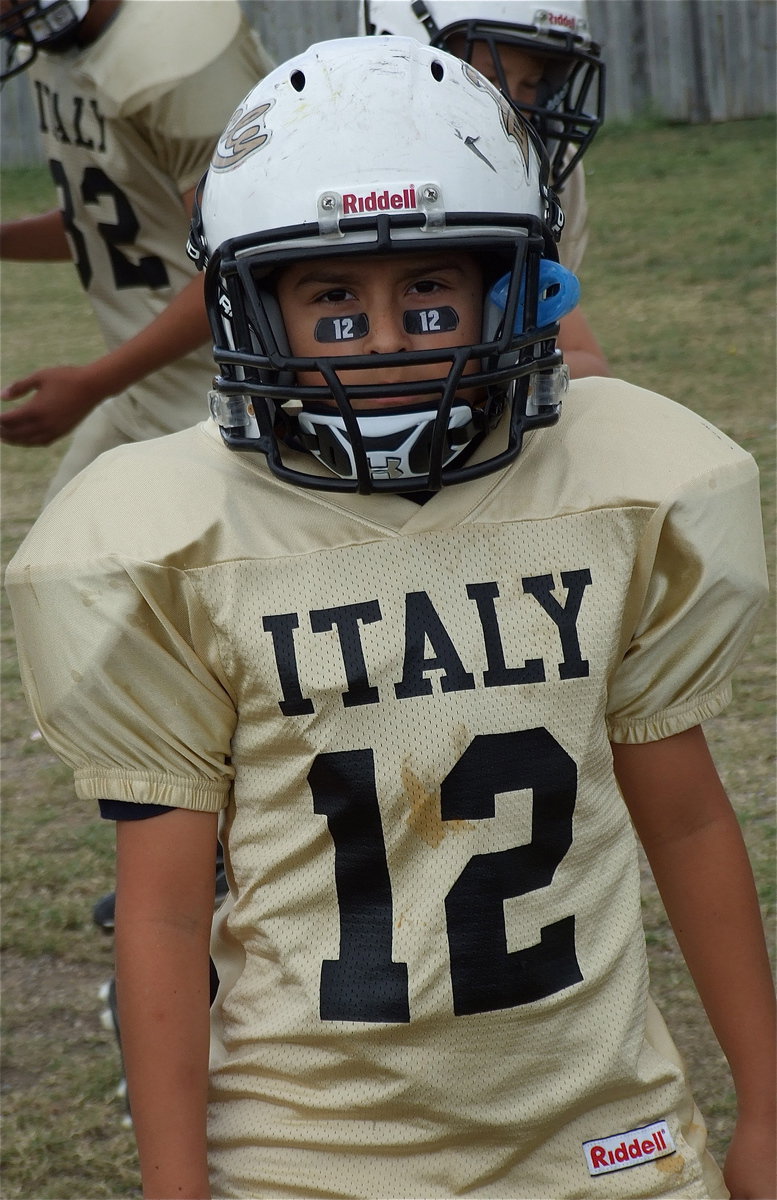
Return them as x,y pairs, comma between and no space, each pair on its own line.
523,71
366,305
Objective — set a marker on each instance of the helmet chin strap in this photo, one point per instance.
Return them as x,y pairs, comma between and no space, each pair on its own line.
396,442
425,17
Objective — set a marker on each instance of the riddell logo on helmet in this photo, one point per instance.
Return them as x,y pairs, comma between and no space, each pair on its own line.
376,201
628,1149
545,17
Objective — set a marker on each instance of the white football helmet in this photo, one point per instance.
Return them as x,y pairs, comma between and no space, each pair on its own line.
569,105
378,146
28,26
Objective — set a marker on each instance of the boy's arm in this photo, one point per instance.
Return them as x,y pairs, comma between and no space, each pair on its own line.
40,238
690,833
165,882
65,395
582,353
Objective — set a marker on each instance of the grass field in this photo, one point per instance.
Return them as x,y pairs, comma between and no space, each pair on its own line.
679,285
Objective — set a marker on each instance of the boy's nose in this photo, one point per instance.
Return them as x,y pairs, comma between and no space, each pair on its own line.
387,334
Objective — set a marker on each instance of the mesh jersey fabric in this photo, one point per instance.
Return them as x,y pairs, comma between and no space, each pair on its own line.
425,694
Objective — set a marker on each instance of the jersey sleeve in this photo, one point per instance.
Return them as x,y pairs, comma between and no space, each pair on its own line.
182,125
121,669
126,810
697,589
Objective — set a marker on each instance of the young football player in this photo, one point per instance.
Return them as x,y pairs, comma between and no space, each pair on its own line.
131,96
544,59
425,651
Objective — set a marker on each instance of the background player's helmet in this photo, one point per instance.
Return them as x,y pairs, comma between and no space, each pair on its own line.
373,146
569,106
28,26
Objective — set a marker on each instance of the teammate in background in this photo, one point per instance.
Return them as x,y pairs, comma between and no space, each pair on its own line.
131,96
429,654
544,59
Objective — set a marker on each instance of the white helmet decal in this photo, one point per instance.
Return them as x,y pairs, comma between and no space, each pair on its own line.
246,132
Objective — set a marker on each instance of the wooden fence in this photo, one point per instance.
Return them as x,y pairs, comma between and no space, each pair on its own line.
686,60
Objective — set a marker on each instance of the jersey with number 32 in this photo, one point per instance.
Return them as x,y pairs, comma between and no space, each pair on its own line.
128,125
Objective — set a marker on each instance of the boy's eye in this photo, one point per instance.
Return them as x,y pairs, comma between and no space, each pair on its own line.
335,296
525,89
424,286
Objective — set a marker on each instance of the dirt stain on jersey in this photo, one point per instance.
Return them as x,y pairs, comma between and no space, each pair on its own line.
424,817
673,1164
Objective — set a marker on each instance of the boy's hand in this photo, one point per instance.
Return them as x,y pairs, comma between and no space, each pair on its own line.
63,397
751,1170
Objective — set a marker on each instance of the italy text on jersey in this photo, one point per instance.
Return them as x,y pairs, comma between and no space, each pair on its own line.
364,983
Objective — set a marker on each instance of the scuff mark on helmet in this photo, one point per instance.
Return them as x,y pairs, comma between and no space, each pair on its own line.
470,143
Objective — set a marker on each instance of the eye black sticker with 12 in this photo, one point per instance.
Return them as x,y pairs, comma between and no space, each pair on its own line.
415,320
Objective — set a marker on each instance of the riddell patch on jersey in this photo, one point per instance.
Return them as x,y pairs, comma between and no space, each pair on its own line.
629,1149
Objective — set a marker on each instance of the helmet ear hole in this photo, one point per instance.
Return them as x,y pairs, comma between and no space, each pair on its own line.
437,70
298,81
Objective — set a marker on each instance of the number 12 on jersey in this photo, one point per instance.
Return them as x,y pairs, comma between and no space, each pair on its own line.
364,983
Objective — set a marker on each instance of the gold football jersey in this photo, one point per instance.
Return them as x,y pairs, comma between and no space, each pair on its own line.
433,972
128,125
